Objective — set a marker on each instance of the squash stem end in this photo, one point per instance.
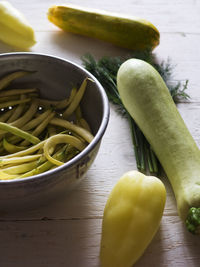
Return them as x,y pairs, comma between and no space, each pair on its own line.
193,221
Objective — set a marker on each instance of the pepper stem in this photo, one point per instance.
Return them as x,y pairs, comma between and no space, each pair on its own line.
193,221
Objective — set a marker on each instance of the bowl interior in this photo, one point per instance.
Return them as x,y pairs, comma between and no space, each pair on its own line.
55,78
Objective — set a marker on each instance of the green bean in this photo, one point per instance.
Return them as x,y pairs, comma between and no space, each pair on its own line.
70,152
57,139
6,176
16,131
13,139
60,155
76,100
8,99
25,152
35,122
14,102
5,81
21,168
24,119
40,127
6,115
43,124
18,111
64,103
84,124
51,130
11,148
27,116
46,103
78,114
87,136
18,160
43,155
58,104
13,92
2,150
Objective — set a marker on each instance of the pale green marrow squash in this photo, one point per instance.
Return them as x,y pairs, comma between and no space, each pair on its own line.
147,99
124,31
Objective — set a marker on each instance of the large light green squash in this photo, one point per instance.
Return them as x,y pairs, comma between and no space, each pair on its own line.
147,98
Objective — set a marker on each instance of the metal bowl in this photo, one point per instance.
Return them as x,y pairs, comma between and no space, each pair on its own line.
54,76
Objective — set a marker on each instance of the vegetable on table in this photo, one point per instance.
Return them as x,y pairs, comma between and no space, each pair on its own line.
105,70
131,218
147,99
15,30
125,31
35,137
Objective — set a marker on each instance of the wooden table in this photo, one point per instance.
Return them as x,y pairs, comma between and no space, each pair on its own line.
68,231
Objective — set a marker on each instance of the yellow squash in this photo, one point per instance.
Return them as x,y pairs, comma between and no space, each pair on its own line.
125,31
14,28
131,218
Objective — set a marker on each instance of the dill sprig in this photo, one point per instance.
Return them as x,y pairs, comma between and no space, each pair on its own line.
105,70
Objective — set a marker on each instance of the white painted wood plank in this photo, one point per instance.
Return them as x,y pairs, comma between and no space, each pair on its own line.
67,232
63,243
168,16
50,243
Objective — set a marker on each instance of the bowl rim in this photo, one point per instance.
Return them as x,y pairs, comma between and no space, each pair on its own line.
90,146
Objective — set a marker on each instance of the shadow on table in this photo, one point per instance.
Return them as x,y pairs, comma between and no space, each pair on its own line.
153,255
74,44
192,249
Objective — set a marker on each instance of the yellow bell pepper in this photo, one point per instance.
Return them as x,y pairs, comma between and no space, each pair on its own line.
131,218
